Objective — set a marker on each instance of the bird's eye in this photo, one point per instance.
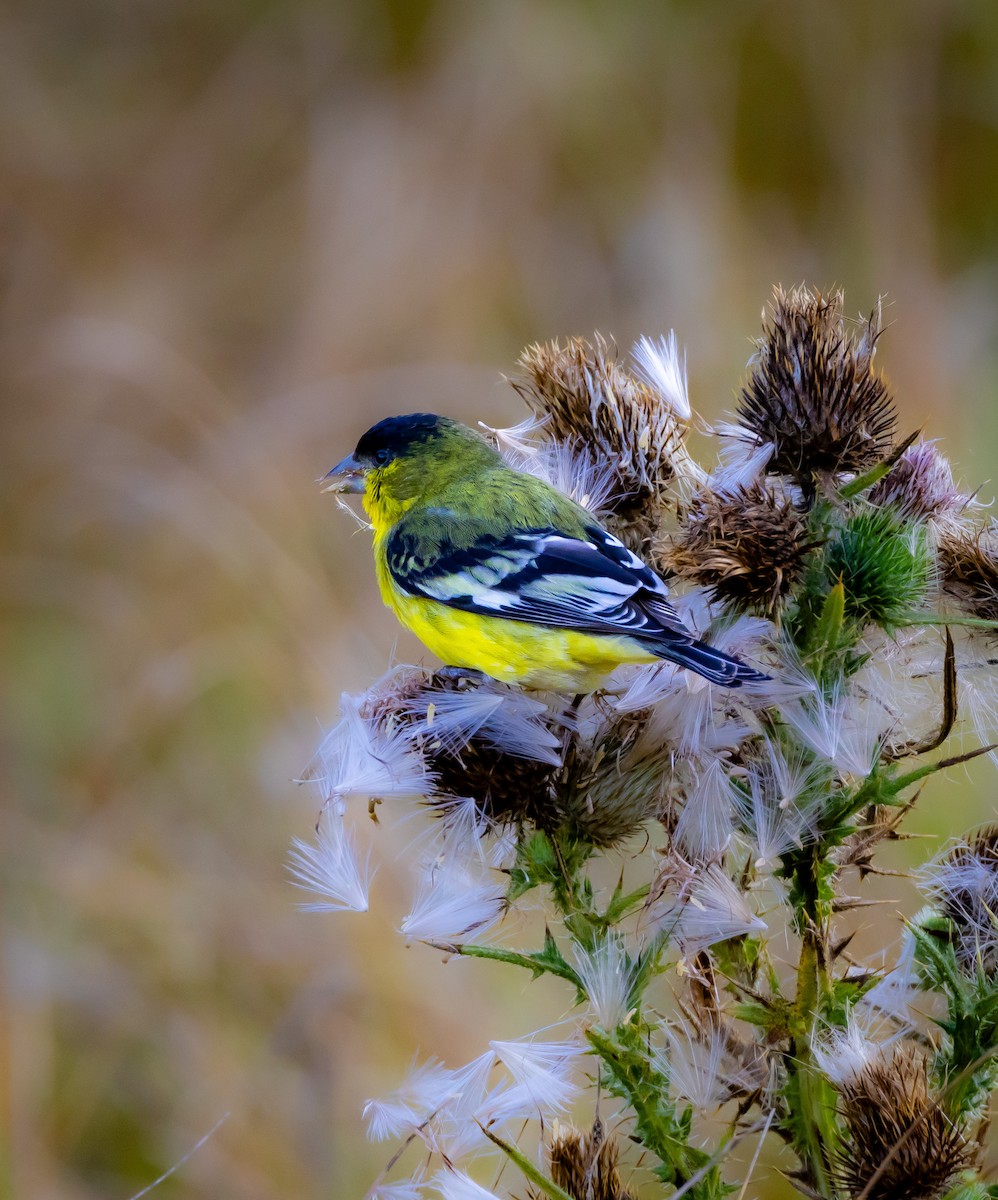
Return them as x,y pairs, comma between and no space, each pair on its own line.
382,456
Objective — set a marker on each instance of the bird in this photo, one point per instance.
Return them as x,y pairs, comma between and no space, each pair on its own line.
498,572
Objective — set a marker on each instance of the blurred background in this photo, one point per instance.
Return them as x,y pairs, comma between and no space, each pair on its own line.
232,235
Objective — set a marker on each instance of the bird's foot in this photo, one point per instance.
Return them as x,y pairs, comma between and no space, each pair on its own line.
460,678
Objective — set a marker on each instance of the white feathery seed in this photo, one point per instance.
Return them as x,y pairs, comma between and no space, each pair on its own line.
361,757
844,1054
409,1189
332,867
456,1127
964,883
504,717
740,462
694,1065
453,902
704,827
458,835
542,1071
894,995
607,973
424,1089
700,906
455,1185
838,730
444,1107
977,683
783,802
659,364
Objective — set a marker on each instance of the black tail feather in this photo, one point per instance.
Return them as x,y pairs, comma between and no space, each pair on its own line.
712,664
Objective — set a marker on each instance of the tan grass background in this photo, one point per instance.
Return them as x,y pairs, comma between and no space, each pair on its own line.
232,235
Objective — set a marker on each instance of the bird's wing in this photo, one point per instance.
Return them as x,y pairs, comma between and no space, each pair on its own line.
592,584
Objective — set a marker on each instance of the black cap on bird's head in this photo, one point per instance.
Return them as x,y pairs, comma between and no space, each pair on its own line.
394,438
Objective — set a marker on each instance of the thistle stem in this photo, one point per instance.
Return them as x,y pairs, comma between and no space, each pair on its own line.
810,1121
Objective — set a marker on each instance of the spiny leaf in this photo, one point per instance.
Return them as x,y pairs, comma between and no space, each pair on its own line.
536,1176
548,961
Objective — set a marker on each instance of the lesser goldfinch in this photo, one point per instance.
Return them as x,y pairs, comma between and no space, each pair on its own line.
495,570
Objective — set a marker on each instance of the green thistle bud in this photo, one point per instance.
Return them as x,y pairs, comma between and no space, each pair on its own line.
883,562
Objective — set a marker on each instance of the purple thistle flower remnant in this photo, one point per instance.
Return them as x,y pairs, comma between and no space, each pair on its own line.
332,868
964,884
920,484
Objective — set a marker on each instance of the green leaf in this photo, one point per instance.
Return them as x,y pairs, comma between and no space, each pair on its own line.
828,631
772,1018
630,1075
622,903
860,484
548,961
536,1177
923,618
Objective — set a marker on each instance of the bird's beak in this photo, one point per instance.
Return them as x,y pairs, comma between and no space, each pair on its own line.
346,476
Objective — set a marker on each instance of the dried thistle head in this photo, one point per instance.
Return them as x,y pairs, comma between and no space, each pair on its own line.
585,1164
506,790
610,787
473,739
748,546
389,697
970,571
900,1144
488,742
920,486
814,395
589,400
964,885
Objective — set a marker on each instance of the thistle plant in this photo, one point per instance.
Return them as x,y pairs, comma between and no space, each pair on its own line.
691,845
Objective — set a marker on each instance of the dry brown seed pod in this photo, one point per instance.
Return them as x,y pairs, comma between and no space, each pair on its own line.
588,400
748,546
813,394
900,1144
506,789
585,1164
970,571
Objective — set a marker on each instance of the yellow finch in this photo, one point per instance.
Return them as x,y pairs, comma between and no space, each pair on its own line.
497,571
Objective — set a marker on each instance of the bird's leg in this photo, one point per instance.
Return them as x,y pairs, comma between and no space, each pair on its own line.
568,725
